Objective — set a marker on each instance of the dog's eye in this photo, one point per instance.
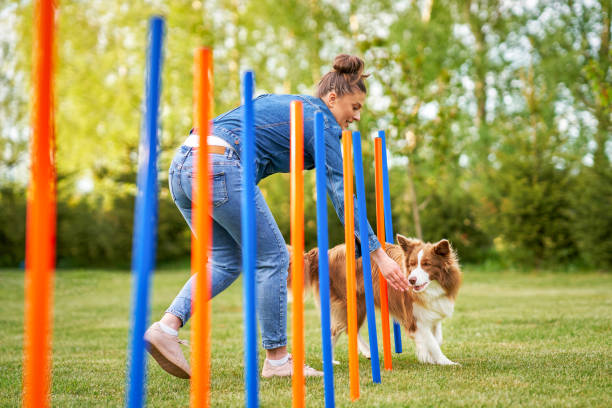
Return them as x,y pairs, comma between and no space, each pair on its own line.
425,263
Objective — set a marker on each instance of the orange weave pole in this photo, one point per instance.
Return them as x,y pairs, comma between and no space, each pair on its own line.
380,230
200,250
40,233
297,244
349,237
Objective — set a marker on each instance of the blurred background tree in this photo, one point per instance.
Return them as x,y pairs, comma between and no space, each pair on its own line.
497,115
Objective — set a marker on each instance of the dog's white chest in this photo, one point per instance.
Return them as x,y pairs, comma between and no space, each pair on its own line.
436,305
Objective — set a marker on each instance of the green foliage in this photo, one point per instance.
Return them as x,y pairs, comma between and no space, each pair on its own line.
532,213
92,230
591,216
12,224
497,117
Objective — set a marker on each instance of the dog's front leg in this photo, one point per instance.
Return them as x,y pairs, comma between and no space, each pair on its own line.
422,348
437,332
427,348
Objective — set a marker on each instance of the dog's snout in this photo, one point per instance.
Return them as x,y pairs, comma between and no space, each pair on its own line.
412,280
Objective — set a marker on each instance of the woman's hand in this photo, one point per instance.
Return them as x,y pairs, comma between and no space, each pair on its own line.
390,270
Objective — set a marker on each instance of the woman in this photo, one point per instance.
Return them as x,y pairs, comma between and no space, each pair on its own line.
340,96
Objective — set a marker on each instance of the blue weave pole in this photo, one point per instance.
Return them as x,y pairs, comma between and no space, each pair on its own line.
365,257
322,240
249,242
397,330
145,217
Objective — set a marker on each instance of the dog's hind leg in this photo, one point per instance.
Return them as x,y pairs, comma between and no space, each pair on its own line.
363,347
335,334
338,322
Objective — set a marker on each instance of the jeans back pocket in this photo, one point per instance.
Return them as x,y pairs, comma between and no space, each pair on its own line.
219,189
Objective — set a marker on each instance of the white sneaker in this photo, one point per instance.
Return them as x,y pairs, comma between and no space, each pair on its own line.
165,349
286,370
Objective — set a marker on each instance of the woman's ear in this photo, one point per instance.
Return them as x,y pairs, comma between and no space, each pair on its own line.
331,99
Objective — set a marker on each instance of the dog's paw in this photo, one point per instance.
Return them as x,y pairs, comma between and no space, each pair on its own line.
425,358
364,350
335,362
446,361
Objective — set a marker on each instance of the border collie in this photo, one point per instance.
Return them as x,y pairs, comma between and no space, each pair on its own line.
433,273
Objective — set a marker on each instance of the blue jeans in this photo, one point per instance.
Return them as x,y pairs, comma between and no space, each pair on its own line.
272,255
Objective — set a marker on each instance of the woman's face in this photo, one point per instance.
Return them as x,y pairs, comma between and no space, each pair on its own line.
346,108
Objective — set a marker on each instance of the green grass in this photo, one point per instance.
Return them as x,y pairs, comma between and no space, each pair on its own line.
522,340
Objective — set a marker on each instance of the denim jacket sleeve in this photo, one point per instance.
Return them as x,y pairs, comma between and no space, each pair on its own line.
335,189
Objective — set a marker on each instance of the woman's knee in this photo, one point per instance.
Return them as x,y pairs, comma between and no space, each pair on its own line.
226,271
274,265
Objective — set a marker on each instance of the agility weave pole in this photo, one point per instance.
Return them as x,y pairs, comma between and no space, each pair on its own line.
41,213
349,238
365,257
397,331
249,243
297,245
380,227
323,244
145,217
202,237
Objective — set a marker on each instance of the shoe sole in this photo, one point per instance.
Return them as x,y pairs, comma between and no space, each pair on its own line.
289,375
275,375
166,364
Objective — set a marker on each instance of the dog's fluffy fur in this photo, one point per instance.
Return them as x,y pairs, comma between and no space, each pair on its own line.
434,274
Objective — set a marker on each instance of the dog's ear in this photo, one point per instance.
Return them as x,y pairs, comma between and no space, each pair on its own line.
407,244
442,248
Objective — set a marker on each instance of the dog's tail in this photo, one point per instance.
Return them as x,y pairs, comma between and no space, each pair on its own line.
311,268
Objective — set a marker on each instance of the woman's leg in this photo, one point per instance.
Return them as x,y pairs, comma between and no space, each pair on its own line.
226,252
271,279
271,265
272,256
226,257
162,337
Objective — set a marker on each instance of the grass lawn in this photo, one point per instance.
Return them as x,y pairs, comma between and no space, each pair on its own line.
522,340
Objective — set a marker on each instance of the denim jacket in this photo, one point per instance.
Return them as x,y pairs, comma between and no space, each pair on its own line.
272,145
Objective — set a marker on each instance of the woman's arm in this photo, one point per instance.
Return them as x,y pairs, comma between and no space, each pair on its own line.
335,189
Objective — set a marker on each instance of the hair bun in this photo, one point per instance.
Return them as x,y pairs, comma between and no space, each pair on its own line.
348,64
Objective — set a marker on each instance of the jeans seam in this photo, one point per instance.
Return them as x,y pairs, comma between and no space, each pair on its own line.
171,175
182,162
271,125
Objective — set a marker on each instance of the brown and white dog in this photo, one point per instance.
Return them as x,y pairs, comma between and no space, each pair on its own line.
433,273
